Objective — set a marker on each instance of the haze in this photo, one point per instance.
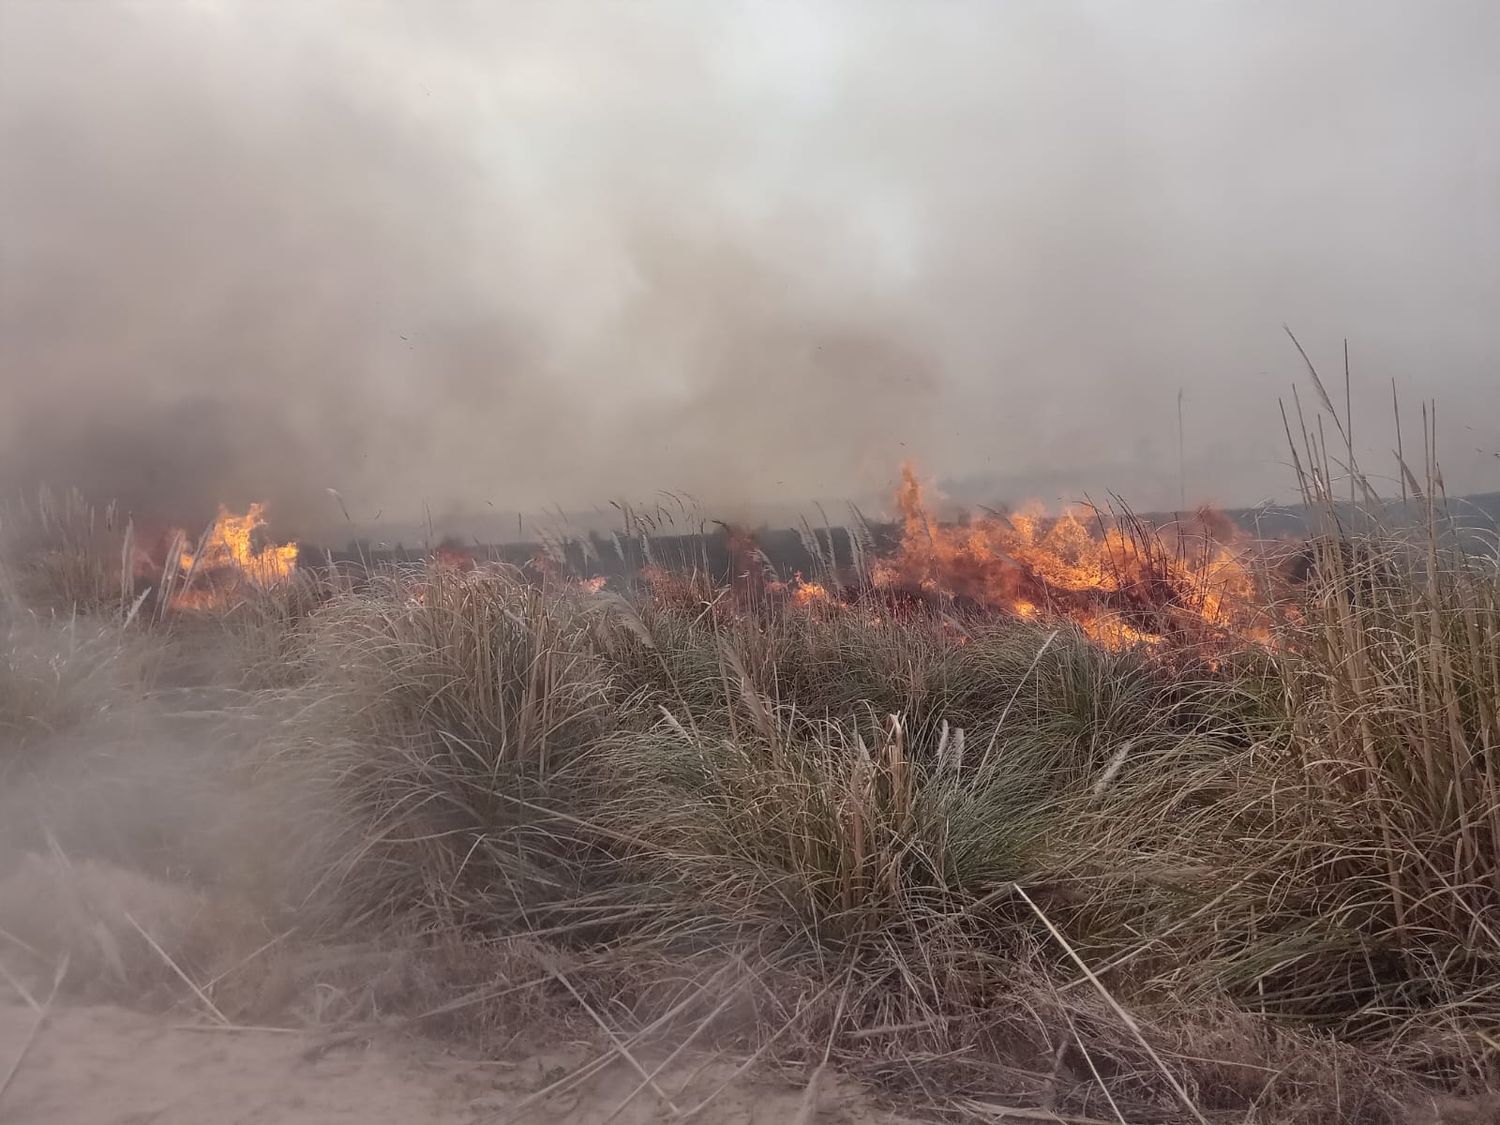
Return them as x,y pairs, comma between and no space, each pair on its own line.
466,255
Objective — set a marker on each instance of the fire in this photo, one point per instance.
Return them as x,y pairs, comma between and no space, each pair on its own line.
227,557
228,544
802,593
808,593
1111,631
1121,582
449,557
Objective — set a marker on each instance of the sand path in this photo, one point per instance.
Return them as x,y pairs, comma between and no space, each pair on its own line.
112,1066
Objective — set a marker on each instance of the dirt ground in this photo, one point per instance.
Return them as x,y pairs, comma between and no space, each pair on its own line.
112,1066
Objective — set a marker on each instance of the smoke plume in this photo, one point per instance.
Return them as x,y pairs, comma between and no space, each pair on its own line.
450,255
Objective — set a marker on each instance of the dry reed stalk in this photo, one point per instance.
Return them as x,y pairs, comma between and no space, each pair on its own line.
177,970
42,1013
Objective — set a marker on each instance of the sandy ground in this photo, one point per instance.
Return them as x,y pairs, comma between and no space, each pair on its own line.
111,1066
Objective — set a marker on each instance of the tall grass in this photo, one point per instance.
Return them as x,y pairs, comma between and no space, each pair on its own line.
59,676
1396,700
60,551
987,860
783,801
441,708
931,824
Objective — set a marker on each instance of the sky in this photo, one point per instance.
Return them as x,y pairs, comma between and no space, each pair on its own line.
463,257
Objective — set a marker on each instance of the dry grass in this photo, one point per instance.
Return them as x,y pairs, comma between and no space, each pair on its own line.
986,864
59,676
62,553
835,815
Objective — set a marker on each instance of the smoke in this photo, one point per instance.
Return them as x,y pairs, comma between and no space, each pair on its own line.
453,254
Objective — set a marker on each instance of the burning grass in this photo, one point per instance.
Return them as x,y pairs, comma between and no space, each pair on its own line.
1122,581
1093,822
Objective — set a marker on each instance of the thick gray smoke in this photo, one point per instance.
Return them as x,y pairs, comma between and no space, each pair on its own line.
528,254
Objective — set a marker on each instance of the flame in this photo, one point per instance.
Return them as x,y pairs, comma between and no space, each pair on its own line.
448,557
1112,631
227,557
807,593
1120,581
228,544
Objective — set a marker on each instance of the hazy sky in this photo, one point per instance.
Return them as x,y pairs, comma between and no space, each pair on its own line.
553,253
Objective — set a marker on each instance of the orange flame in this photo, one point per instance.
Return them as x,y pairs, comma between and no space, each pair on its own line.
227,556
1122,583
807,593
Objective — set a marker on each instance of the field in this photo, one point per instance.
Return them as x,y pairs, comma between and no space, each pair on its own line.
1217,842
